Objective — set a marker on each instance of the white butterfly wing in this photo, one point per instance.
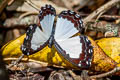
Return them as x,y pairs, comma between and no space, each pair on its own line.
34,41
68,24
77,50
47,16
36,37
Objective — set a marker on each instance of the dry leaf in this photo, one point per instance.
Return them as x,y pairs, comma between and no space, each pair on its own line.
111,46
101,62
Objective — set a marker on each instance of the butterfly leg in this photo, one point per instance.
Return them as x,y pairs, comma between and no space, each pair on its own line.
84,75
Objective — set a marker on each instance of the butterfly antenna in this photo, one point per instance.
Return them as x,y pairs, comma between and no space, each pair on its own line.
32,4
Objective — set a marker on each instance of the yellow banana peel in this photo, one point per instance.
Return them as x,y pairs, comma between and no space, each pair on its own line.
111,46
101,62
12,50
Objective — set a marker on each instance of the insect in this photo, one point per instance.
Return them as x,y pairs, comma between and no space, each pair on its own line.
76,49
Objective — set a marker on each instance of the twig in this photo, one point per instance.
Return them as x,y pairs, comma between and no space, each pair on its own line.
16,62
74,76
44,64
102,26
96,19
72,73
30,13
99,16
103,8
33,5
3,4
26,14
10,2
110,16
6,28
67,4
116,69
32,19
82,4
104,16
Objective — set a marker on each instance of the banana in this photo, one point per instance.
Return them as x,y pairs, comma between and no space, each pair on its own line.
100,62
111,46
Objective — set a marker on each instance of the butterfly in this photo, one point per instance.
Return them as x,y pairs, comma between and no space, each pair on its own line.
76,49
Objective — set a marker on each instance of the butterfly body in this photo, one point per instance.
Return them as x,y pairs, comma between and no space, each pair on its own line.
75,49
